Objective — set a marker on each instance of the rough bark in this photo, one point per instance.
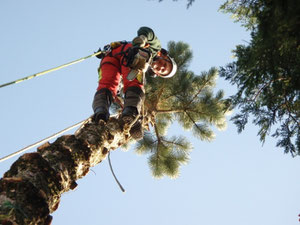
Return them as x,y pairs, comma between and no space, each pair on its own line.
31,189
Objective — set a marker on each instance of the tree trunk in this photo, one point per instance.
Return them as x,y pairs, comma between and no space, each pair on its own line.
30,190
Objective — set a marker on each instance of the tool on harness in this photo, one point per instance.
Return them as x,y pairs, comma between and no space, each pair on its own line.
138,59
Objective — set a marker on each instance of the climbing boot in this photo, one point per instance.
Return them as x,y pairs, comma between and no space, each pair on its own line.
102,101
134,98
137,130
129,114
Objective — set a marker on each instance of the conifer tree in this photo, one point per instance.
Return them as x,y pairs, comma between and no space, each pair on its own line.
31,189
188,99
267,70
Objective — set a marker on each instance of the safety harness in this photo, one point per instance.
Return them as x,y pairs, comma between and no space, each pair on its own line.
136,58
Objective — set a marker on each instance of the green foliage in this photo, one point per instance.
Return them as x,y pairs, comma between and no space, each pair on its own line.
266,71
148,144
189,100
169,154
189,2
242,11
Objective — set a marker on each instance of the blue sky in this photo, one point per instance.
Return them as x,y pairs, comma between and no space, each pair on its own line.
233,180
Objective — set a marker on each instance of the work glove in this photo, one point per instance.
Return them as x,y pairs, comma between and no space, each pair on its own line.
140,61
139,41
139,66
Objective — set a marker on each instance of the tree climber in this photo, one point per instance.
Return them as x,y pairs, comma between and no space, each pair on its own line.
130,60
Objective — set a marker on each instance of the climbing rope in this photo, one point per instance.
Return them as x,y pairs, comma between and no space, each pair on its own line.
51,70
39,74
81,124
44,140
112,171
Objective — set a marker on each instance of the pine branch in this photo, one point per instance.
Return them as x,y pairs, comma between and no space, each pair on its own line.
161,91
178,111
290,114
265,86
194,122
157,133
158,143
169,111
173,143
196,95
170,96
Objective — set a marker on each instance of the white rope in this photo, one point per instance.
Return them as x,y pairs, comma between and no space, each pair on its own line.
44,140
